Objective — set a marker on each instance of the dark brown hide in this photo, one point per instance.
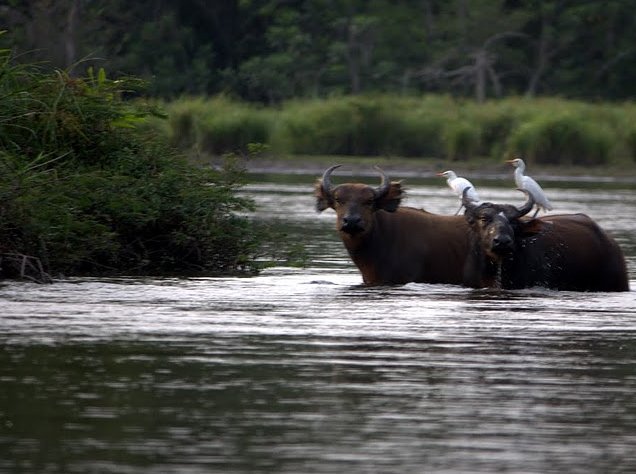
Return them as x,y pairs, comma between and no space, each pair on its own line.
562,252
391,244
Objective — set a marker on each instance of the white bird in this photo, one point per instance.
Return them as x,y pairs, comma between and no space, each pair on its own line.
530,185
458,184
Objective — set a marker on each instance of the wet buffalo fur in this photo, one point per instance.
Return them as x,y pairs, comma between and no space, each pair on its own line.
561,252
392,244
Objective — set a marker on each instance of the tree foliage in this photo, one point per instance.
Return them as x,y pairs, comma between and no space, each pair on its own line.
269,51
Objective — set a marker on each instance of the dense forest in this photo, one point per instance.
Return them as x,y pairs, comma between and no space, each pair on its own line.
272,50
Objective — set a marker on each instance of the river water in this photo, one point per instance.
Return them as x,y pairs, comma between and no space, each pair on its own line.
301,369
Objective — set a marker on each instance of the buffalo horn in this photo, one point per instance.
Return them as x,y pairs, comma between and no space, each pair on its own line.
385,185
527,207
326,179
468,204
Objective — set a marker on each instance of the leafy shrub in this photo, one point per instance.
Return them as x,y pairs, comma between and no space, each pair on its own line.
86,190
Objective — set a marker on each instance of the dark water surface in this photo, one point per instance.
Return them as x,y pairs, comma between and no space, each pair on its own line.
304,370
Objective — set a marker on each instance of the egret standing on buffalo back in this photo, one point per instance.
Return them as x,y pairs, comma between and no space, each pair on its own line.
528,184
458,185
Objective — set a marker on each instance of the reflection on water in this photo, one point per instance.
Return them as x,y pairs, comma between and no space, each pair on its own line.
305,370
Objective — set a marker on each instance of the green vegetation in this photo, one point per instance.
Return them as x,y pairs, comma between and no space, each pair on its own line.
87,188
554,131
271,51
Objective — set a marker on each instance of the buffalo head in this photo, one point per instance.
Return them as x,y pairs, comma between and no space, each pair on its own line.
356,203
493,224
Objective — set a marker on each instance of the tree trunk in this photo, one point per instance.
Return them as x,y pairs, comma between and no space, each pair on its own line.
70,36
481,70
542,57
353,62
462,22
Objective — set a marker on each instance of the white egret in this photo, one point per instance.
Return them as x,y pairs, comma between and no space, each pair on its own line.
458,184
530,185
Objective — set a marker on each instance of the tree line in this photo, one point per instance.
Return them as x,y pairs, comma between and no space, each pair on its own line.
270,51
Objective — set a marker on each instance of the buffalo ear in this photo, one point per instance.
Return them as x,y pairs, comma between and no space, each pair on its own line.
323,200
391,200
470,214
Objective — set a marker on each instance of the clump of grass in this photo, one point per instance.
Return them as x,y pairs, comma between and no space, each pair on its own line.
366,125
216,126
562,139
231,131
496,120
461,139
372,126
183,119
418,132
316,127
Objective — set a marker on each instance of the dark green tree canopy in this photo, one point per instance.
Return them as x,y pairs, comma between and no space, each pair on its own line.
270,50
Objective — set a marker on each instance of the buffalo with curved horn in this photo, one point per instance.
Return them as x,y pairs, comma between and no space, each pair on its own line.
389,243
561,252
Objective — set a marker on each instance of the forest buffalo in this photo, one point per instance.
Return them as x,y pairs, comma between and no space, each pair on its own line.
561,252
391,244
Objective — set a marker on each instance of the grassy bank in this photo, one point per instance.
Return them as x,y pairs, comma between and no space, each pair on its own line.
543,131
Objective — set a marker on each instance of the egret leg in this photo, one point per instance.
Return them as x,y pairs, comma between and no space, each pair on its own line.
459,208
535,213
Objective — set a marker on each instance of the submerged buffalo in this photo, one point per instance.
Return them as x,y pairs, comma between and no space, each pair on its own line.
562,252
391,244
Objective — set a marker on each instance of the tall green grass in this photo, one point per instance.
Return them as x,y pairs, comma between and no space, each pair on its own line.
217,125
552,131
563,139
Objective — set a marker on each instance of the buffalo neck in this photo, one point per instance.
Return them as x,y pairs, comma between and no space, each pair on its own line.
480,270
369,251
